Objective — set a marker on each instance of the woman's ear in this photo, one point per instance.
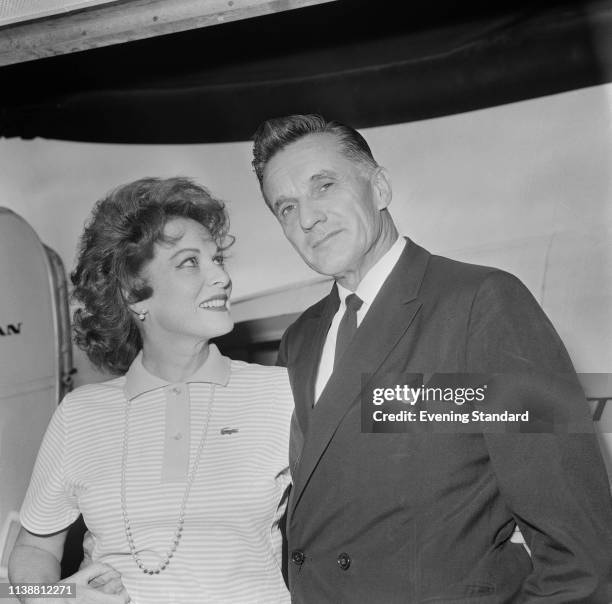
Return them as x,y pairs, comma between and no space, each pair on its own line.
137,289
381,184
138,308
141,313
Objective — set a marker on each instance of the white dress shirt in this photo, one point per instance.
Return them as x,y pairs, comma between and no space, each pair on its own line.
367,290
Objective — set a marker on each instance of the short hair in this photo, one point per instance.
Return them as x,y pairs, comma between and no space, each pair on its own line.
275,134
117,241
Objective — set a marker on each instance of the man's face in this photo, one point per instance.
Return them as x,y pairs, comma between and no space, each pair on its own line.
328,205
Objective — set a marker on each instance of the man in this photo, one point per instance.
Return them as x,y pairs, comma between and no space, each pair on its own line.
420,516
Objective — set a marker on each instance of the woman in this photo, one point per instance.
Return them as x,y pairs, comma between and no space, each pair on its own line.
179,465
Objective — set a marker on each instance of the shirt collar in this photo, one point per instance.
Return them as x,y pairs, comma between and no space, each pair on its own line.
216,369
373,281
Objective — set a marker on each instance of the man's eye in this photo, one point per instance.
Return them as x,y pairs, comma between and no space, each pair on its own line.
286,210
219,259
326,186
190,262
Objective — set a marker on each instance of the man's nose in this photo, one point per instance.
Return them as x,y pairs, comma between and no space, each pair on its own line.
310,214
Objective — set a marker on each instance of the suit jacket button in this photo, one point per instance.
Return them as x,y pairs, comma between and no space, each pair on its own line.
297,557
344,561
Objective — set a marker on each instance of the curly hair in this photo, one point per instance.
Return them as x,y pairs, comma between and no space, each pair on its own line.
117,241
275,134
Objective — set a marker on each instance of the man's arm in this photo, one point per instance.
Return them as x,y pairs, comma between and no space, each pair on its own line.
281,359
554,482
296,440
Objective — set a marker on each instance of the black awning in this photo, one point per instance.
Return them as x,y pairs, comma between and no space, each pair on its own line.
352,61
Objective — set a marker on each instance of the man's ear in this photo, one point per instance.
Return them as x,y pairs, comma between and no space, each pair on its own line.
381,184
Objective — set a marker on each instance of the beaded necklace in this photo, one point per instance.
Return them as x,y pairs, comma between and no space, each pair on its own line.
181,517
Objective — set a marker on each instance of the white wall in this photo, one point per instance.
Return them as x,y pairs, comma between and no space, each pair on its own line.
525,186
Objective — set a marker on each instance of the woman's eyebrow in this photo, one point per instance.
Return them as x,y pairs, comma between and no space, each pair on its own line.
185,249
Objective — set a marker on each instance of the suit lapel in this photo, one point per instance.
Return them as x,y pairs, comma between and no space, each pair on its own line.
305,370
384,325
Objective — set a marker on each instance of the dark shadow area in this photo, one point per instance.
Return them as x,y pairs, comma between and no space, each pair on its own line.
349,60
73,548
256,341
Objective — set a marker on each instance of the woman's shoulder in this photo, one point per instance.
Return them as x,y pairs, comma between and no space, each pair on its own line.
243,369
263,379
100,392
266,391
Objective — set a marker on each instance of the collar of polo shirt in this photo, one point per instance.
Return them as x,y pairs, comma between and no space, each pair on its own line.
216,370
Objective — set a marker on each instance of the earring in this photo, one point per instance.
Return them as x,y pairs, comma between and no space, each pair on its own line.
142,315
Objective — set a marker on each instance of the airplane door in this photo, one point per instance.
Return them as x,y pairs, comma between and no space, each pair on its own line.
35,361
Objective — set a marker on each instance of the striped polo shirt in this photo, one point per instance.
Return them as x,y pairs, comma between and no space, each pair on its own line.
230,551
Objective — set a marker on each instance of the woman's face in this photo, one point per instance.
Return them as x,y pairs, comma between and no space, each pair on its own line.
190,286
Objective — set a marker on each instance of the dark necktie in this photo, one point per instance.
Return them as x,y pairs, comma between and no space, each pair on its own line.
347,327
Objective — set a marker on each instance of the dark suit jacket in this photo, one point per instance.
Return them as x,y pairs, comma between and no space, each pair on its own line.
427,517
